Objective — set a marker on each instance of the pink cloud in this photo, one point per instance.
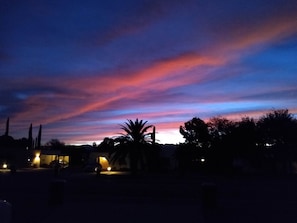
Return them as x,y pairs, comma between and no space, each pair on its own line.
81,95
89,91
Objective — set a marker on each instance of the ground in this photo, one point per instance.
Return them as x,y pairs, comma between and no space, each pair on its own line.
84,197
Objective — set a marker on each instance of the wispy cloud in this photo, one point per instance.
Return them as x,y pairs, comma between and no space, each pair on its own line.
89,69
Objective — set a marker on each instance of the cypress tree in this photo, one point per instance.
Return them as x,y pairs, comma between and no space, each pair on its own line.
7,127
30,138
39,136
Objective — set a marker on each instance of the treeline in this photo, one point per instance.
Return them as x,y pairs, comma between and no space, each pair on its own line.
268,144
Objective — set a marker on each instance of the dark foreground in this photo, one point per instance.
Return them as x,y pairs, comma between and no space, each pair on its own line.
151,198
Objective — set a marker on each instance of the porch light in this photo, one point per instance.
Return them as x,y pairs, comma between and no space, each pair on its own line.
36,160
109,168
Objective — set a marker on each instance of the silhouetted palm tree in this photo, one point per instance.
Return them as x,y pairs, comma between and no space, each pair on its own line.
136,131
133,144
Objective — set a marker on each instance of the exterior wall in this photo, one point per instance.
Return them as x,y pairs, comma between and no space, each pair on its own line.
99,158
47,159
121,165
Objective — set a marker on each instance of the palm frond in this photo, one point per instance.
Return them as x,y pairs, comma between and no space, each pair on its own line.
132,142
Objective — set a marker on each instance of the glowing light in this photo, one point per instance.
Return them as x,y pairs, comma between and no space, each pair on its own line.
4,166
202,160
109,168
104,162
36,160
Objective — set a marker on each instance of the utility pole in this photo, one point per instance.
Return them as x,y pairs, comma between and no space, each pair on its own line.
154,135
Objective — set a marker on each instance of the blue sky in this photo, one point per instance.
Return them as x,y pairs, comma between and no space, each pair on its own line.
81,68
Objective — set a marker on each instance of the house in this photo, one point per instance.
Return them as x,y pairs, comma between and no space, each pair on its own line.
48,156
96,157
83,156
45,157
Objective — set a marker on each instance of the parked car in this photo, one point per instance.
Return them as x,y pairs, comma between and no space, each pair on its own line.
92,167
59,163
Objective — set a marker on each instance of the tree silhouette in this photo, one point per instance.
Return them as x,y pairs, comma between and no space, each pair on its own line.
39,137
55,144
30,138
196,132
135,131
133,144
276,127
7,127
106,145
277,131
197,143
268,143
222,151
220,127
244,144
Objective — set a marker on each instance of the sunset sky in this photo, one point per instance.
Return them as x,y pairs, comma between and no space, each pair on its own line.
82,68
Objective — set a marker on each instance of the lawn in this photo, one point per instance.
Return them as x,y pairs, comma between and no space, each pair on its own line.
147,198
